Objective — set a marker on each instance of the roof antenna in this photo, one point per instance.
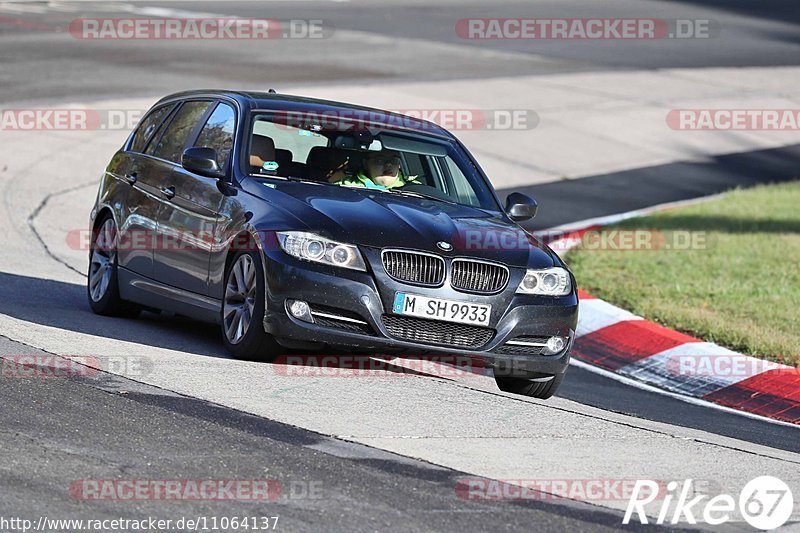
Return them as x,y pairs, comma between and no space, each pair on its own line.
272,91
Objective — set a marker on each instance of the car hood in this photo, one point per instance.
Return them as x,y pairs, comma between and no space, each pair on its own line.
386,220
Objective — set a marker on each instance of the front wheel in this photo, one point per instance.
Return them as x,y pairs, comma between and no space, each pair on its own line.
536,387
243,308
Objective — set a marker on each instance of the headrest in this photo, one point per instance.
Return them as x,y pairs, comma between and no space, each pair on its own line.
327,157
283,157
262,149
322,159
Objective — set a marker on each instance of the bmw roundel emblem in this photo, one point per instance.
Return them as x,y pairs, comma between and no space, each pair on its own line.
446,246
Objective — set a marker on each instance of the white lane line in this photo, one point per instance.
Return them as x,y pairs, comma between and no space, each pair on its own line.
687,399
607,220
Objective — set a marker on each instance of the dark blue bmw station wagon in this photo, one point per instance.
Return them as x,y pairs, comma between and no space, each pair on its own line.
306,224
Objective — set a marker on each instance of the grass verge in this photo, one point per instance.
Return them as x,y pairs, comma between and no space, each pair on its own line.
725,271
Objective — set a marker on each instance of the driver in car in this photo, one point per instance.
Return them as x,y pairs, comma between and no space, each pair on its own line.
381,170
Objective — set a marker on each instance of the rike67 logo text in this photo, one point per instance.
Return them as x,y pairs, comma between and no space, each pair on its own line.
765,503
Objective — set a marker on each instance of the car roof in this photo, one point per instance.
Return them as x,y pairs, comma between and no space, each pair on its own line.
285,102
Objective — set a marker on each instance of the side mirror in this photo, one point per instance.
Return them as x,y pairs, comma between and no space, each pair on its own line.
202,161
521,207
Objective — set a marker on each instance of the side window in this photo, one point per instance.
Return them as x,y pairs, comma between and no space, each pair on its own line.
463,188
218,133
149,126
170,145
417,165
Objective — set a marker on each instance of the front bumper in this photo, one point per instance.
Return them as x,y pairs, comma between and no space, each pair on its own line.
369,296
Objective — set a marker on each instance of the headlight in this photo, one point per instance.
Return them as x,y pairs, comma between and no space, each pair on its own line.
312,247
548,282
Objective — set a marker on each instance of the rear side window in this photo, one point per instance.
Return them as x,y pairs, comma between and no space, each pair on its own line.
149,126
218,133
170,145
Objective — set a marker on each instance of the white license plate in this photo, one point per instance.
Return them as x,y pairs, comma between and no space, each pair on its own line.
440,309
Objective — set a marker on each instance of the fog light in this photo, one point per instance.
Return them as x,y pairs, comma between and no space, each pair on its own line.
300,310
554,345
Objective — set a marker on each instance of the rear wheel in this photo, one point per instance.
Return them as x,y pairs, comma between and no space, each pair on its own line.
102,285
243,308
537,387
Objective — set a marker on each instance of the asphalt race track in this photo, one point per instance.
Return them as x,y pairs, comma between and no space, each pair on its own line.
385,451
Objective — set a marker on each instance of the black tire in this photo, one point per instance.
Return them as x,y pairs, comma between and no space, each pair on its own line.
109,302
536,389
255,344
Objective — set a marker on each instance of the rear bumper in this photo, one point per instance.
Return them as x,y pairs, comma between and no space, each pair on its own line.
358,294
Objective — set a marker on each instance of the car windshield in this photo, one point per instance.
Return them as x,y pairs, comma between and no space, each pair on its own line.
374,158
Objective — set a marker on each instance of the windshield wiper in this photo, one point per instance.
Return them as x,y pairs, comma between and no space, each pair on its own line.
285,178
421,195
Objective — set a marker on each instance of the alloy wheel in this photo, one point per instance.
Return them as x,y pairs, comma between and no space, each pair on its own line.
240,299
103,258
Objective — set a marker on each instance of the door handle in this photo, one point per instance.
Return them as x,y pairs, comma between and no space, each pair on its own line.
169,192
131,178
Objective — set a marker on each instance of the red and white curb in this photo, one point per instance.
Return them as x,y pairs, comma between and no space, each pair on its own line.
628,345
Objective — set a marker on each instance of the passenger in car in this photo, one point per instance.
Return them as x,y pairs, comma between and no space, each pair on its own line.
380,170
